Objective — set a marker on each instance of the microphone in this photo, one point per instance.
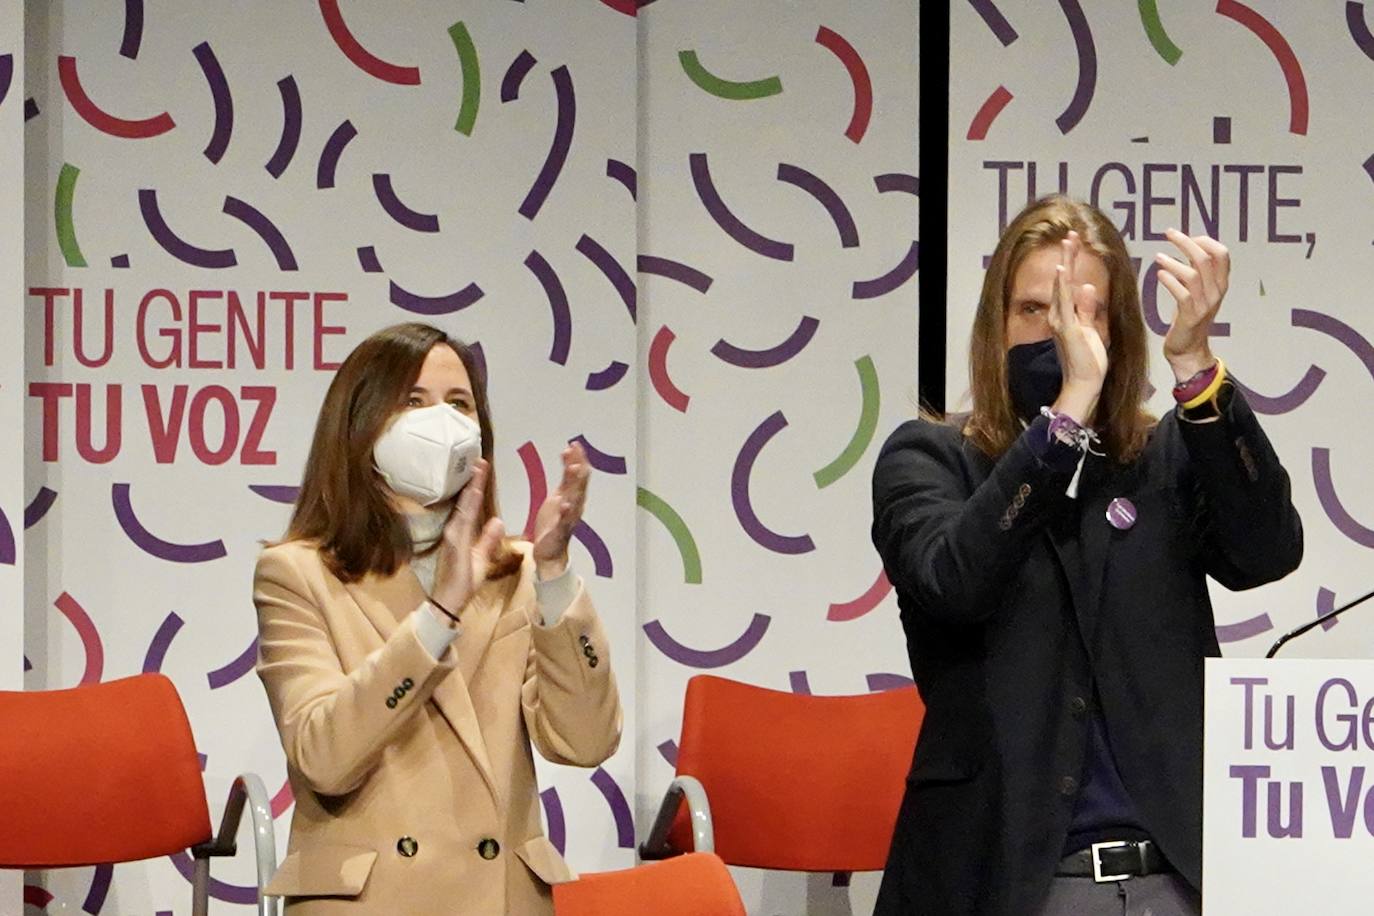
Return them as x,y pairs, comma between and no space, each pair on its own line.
1295,633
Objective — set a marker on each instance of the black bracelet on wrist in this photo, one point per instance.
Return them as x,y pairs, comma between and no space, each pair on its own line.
445,611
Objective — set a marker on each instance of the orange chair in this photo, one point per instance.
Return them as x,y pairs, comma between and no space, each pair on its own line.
109,773
697,884
788,781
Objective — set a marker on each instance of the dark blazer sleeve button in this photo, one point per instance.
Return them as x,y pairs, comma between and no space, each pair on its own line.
407,846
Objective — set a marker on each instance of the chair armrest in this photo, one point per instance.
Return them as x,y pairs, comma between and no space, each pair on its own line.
699,811
247,789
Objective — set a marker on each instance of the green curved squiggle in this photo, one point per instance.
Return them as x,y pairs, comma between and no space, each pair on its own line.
472,77
686,544
1154,28
726,89
66,230
863,433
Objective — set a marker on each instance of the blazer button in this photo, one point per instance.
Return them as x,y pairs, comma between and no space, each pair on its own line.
1078,706
407,846
588,651
488,849
593,661
1068,785
584,641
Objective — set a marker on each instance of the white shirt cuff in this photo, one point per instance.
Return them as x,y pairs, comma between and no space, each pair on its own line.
555,595
433,630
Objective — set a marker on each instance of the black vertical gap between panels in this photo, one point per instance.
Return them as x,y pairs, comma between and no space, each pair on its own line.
933,225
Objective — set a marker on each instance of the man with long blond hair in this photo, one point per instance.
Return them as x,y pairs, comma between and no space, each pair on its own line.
1050,551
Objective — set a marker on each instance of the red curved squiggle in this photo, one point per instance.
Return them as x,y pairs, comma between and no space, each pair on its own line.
90,638
988,112
364,59
853,610
539,484
102,120
858,75
658,371
1283,52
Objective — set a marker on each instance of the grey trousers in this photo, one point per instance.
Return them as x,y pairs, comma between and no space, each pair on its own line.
1150,895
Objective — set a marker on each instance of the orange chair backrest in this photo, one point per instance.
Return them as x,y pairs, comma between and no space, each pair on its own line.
103,773
798,782
697,884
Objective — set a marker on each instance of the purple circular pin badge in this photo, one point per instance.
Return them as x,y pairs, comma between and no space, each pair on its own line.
1121,514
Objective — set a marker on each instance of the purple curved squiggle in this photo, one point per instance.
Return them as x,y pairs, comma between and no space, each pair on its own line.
624,173
558,305
739,491
38,506
411,219
880,286
605,262
1354,20
177,247
290,128
799,682
995,21
220,890
1288,402
161,642
515,75
602,461
266,230
897,182
558,150
1326,603
1342,332
368,261
730,224
223,677
827,197
708,658
333,149
133,29
606,378
276,493
100,888
881,681
620,809
1245,629
553,816
591,541
150,543
674,270
434,305
1331,503
224,102
668,751
773,356
1087,66
9,550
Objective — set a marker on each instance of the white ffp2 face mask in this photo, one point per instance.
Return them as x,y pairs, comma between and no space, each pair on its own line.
429,453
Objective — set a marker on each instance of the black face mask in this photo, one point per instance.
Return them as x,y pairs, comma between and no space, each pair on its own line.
1034,377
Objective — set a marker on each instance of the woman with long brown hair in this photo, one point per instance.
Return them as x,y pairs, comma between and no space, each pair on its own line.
1050,551
412,653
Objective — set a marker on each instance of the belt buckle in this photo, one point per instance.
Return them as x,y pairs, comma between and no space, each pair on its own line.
1097,861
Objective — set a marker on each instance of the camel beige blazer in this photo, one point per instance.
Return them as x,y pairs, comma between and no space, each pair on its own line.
414,779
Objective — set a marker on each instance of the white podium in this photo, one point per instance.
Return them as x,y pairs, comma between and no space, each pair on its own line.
1288,787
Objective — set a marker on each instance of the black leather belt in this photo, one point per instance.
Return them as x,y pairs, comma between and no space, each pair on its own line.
1114,861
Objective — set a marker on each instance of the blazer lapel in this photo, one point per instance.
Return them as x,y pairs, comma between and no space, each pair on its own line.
386,601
